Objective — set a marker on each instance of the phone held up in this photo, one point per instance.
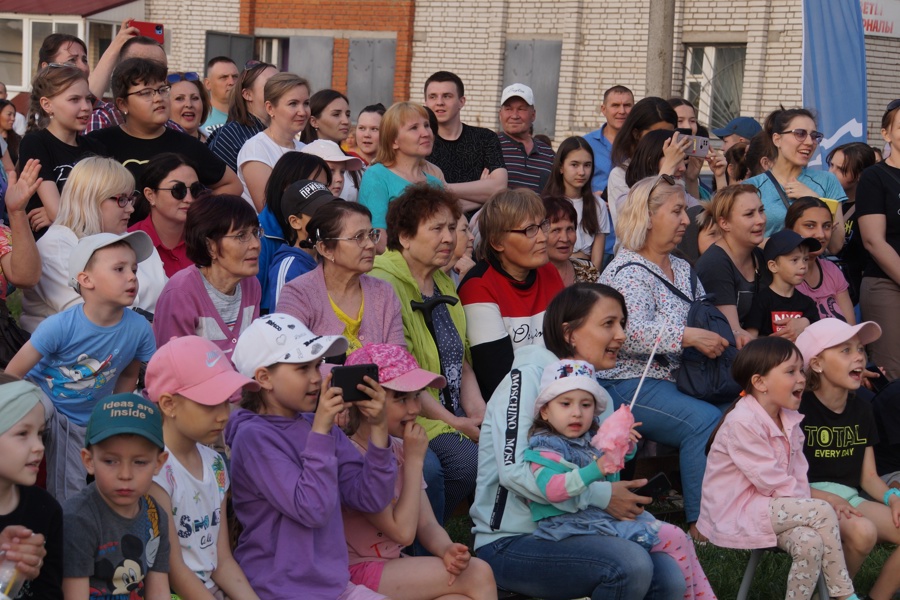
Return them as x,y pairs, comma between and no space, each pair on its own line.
153,31
348,377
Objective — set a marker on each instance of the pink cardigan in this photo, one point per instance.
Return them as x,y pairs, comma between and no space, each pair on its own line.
306,298
750,463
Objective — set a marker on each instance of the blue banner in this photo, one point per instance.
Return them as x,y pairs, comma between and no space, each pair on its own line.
834,72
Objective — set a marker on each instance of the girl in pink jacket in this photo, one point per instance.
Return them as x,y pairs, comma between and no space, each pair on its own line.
755,490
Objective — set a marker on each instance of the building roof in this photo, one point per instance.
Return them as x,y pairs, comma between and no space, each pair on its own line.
81,8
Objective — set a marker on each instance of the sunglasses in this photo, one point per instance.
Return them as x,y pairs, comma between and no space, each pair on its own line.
894,105
176,77
180,190
801,135
124,200
256,64
662,177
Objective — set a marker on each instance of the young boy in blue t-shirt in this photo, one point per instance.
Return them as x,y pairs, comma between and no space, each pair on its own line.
84,354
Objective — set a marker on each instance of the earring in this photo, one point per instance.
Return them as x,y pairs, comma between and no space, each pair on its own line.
332,259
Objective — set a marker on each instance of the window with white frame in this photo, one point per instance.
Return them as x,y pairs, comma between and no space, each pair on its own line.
714,81
20,40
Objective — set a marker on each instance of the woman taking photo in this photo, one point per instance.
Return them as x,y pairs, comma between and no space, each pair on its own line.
98,197
561,241
878,213
190,103
793,135
169,184
287,104
368,125
733,267
339,297
421,239
218,296
143,95
506,292
405,142
59,111
329,120
639,271
246,113
647,115
570,177
584,322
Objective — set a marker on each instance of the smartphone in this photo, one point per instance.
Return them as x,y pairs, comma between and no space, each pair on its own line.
699,146
348,377
658,485
150,30
880,382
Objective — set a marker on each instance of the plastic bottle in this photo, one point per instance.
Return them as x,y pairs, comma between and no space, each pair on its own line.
10,579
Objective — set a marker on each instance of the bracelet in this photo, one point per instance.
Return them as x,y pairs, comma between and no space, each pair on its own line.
888,494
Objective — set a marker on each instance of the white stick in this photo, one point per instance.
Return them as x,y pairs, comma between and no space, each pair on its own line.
646,369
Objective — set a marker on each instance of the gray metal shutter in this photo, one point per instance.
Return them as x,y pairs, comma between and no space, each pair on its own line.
370,72
536,64
235,46
311,57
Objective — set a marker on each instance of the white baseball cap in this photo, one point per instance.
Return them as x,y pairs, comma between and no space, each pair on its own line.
331,152
518,90
280,338
139,241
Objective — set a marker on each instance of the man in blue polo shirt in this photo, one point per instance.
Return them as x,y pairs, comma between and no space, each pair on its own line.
528,161
617,103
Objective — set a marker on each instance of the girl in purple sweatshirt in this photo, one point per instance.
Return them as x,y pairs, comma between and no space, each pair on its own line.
291,468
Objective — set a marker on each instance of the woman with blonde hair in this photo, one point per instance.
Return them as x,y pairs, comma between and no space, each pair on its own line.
98,197
405,141
287,104
647,274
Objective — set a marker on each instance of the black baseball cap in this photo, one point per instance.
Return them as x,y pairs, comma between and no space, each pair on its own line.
785,241
304,197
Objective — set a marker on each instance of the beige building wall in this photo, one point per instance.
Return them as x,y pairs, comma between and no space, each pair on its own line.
186,24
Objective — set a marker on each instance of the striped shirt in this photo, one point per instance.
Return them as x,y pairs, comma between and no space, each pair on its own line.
527,170
226,142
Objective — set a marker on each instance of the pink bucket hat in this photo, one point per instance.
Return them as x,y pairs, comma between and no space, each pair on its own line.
397,368
828,333
195,368
566,375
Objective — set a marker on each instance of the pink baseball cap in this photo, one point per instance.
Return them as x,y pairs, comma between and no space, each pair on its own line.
830,332
397,368
195,368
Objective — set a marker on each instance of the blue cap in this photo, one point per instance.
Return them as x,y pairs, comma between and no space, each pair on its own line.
746,127
124,413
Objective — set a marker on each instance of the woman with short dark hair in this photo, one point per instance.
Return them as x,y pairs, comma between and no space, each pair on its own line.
421,225
217,297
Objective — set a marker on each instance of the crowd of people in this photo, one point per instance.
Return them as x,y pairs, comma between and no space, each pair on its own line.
204,258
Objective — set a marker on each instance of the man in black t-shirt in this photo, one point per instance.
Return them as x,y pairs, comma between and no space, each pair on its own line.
470,157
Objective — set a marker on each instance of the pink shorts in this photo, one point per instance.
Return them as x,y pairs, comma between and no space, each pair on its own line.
367,573
359,592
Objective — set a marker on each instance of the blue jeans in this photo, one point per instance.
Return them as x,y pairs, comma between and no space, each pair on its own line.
433,474
674,419
599,566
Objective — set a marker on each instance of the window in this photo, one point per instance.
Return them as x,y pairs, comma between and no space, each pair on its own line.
238,47
714,81
272,51
11,52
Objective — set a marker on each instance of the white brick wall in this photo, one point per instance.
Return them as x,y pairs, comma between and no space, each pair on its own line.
882,63
186,25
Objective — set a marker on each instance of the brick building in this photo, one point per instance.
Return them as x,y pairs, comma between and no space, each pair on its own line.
729,56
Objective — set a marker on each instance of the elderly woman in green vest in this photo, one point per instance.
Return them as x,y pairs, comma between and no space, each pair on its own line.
421,238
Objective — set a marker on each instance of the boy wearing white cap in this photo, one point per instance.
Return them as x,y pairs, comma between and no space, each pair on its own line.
88,352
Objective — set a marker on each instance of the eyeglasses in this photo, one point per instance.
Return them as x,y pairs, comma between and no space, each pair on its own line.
256,64
894,105
801,134
68,65
180,190
373,235
148,93
176,77
662,177
244,237
532,230
124,200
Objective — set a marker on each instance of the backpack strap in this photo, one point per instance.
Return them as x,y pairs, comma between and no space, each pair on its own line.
668,283
781,194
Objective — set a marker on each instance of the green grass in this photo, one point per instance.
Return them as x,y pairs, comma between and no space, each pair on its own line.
725,568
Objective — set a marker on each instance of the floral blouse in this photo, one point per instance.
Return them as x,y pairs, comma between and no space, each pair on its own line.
5,248
652,310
